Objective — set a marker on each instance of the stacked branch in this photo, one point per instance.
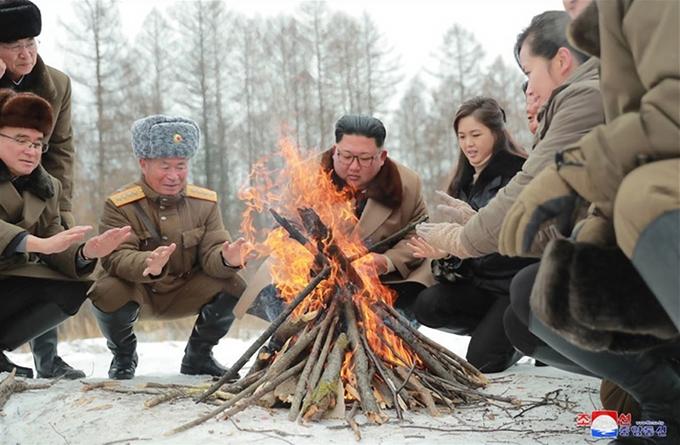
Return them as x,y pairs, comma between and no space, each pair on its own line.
315,361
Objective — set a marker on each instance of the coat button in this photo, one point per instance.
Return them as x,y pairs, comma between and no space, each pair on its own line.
154,291
164,199
163,218
164,238
162,207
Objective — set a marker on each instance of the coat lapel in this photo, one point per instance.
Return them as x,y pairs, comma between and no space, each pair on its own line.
33,208
11,201
374,215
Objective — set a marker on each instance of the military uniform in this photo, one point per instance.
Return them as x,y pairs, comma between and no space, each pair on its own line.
195,271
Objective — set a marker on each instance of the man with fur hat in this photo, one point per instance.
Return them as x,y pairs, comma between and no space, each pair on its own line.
42,269
22,69
387,196
180,261
615,287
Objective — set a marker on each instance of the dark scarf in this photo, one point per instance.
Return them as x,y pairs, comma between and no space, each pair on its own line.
38,81
38,182
385,188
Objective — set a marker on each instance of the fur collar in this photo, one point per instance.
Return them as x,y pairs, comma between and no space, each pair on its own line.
385,188
38,81
584,31
38,182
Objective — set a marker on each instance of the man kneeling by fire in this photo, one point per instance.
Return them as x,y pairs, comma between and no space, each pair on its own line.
386,197
179,261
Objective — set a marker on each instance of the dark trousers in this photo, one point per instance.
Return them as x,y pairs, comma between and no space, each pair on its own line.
21,293
464,309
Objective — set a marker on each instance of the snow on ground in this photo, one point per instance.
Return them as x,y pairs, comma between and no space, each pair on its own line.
65,414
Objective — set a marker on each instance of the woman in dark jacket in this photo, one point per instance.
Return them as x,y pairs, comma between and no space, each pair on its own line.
472,294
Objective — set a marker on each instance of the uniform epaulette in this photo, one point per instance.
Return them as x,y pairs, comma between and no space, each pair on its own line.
127,196
194,191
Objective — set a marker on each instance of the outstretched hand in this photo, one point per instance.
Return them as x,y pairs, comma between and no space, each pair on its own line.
238,253
56,243
457,210
158,259
422,249
104,244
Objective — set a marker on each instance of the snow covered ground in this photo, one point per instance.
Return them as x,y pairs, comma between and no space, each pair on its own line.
65,414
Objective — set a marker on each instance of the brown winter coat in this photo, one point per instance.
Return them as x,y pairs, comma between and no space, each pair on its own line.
191,220
574,109
395,199
640,83
35,211
55,87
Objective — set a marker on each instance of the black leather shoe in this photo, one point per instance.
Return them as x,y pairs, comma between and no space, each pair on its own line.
123,367
61,369
6,365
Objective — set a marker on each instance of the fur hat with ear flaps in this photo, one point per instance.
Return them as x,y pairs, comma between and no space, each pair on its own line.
25,110
165,137
20,19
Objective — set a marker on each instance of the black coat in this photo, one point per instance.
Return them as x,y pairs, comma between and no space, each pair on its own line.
492,272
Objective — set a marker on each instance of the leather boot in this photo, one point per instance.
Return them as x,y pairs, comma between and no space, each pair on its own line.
47,363
117,327
213,322
26,325
648,378
6,365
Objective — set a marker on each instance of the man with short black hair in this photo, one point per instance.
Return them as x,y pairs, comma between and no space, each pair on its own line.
387,197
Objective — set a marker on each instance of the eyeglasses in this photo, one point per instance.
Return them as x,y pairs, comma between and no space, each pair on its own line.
363,160
16,48
25,143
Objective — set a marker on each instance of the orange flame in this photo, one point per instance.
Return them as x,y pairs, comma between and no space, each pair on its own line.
302,183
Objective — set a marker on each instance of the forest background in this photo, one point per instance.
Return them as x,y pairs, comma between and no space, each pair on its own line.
251,79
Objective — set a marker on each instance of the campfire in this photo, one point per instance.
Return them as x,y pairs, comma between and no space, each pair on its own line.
338,342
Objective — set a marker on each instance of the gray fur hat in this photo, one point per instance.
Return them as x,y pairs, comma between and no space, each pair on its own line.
165,137
20,19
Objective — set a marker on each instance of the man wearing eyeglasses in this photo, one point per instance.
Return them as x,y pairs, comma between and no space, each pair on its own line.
387,197
22,70
42,268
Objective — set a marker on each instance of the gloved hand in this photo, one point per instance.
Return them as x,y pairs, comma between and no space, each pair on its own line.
457,210
547,199
67,220
444,236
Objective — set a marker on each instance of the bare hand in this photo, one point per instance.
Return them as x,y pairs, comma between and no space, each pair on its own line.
104,244
158,259
57,243
421,249
238,253
3,68
372,262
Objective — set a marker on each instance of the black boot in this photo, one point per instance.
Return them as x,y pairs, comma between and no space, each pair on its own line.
47,363
6,365
212,324
117,327
26,325
645,376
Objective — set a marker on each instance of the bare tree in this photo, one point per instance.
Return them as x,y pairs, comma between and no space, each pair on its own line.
102,75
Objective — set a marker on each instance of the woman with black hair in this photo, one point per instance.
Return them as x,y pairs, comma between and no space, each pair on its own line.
472,294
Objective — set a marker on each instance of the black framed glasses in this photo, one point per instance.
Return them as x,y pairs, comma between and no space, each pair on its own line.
26,143
364,160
